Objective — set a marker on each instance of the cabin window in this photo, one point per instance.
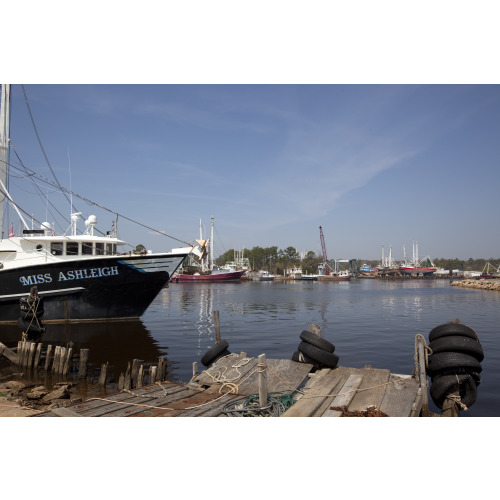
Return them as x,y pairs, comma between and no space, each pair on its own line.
39,247
109,249
72,248
56,248
86,248
99,248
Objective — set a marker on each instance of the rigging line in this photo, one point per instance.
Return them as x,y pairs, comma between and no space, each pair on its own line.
30,173
86,200
40,141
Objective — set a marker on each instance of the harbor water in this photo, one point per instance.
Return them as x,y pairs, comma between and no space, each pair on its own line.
370,322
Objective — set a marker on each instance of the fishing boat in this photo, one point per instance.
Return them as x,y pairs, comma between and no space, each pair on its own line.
263,276
414,266
366,271
205,271
80,276
224,273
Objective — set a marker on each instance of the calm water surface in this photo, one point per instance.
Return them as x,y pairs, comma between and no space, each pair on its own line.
369,321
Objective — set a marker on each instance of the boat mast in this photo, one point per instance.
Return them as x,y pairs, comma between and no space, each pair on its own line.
211,244
4,146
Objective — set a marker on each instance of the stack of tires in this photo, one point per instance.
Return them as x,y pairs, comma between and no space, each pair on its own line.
219,350
315,350
30,320
455,362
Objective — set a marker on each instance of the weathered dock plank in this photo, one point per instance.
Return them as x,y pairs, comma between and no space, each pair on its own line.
139,405
282,375
233,373
375,384
317,392
399,397
347,393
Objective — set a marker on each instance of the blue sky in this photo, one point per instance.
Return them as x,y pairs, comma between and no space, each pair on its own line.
372,164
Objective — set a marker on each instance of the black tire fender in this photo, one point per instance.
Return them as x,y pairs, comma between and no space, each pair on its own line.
327,359
448,363
316,340
452,329
457,343
442,386
31,326
221,355
213,352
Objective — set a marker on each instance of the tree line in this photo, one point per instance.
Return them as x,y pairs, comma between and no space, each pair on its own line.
277,260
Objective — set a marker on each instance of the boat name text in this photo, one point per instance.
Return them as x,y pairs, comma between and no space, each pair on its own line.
75,274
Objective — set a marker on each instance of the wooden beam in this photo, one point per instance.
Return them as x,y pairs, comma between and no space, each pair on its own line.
84,359
10,355
346,395
262,367
423,377
217,326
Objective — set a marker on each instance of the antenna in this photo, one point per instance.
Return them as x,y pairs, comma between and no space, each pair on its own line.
70,190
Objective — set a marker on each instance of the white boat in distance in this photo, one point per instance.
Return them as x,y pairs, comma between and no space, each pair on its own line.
263,276
79,276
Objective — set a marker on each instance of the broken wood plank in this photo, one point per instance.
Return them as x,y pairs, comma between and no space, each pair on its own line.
10,355
345,396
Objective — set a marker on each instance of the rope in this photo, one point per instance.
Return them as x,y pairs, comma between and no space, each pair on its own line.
219,374
457,400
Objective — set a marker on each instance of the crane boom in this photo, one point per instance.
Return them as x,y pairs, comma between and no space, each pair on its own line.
323,248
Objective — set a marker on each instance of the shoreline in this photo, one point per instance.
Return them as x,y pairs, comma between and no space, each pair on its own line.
482,284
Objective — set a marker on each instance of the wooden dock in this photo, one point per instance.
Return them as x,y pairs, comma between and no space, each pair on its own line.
334,392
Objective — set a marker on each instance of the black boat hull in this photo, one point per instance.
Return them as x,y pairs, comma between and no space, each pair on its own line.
114,287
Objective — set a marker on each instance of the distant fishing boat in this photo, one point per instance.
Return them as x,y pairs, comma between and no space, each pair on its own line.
79,276
414,267
207,271
366,271
263,276
226,273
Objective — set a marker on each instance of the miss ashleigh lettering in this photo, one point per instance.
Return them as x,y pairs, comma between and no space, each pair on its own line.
75,274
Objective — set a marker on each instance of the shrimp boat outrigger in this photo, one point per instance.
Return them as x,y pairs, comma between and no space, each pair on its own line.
79,276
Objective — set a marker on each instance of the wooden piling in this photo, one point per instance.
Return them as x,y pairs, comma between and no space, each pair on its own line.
121,381
140,376
48,356
68,362
84,359
102,376
55,362
37,356
162,370
195,369
136,363
127,380
262,367
217,326
152,375
31,356
62,359
22,354
314,328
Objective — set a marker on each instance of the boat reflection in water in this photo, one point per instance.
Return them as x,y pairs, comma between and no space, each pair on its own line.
116,342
